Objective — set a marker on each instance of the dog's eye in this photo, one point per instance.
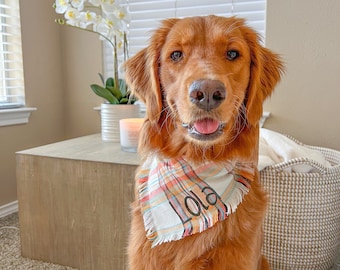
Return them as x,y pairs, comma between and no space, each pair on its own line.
176,56
232,55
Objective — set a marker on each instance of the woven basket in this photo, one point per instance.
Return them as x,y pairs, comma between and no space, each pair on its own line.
302,226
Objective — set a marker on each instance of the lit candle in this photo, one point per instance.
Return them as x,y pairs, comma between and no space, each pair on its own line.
129,133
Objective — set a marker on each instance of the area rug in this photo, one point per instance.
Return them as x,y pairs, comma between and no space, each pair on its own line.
10,258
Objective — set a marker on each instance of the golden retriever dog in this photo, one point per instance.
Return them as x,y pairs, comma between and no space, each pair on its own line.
199,203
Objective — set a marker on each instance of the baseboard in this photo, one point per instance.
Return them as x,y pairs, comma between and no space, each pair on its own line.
8,209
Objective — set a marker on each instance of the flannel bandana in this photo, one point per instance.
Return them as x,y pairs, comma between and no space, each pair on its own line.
179,199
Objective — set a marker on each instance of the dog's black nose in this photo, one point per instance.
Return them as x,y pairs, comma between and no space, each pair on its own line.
207,94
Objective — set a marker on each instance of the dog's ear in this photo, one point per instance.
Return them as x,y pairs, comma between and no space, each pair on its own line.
142,76
265,72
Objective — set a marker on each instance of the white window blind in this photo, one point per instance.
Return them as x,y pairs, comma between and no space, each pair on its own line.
146,16
12,93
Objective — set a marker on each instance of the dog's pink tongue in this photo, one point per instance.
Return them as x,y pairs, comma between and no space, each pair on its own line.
206,126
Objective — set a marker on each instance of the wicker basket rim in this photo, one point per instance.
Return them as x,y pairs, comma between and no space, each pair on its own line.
331,155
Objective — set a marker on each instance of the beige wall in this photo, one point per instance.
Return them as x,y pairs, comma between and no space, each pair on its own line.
60,64
82,61
306,104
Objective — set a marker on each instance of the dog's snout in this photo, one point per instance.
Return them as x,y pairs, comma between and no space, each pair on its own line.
207,94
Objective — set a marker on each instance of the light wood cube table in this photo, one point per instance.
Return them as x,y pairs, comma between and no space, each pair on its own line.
74,202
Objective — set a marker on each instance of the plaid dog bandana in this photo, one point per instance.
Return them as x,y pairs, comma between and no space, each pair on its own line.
179,199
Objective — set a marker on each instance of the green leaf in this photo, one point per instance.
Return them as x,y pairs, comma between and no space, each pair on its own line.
122,87
110,82
104,93
101,78
116,101
115,91
124,101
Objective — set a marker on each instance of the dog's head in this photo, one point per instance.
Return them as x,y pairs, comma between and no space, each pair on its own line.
203,80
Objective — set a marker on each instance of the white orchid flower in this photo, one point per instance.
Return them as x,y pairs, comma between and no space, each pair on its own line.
61,6
95,3
108,2
98,3
78,4
109,30
112,20
87,18
120,11
122,14
72,17
103,28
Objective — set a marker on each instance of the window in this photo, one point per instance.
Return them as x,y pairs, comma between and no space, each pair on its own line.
12,92
146,16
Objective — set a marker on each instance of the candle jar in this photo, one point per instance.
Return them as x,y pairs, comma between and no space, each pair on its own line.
129,133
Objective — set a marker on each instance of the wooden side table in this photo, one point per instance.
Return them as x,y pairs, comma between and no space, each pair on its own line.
74,198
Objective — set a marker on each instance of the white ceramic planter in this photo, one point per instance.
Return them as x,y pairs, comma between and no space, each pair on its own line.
111,114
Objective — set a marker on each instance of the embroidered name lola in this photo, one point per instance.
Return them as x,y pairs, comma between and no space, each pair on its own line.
196,202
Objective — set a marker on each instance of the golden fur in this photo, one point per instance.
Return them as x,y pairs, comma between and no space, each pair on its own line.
162,82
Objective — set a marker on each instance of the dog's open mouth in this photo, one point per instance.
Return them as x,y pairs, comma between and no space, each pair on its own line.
205,129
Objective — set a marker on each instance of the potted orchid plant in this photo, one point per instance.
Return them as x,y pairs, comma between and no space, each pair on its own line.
108,19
